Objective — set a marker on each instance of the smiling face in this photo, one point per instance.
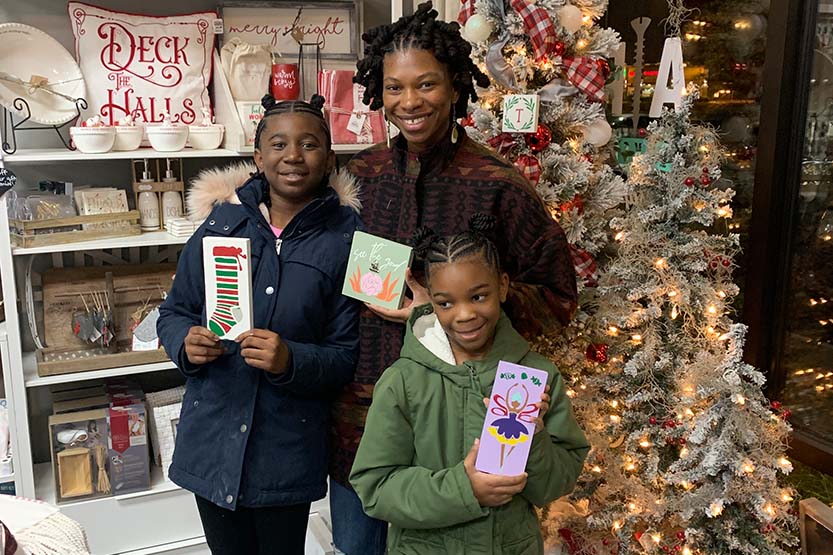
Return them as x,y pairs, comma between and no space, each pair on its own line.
418,93
293,155
466,296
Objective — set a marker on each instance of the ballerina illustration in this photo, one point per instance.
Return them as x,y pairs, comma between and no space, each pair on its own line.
516,410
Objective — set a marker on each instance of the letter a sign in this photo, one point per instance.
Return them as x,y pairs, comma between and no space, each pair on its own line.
671,66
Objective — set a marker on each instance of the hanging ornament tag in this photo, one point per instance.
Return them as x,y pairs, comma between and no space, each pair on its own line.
671,66
356,123
520,113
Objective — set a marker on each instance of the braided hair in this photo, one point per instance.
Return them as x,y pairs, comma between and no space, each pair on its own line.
273,108
422,31
434,250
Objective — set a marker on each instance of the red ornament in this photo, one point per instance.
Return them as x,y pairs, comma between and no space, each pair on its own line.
642,132
669,440
705,180
776,405
468,121
680,535
653,420
682,441
786,414
559,48
539,140
596,352
576,203
637,535
588,158
666,549
706,170
670,423
726,262
677,548
690,181
605,541
604,67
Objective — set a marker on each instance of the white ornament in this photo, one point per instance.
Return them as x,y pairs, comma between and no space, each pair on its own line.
478,28
750,26
598,133
671,66
570,18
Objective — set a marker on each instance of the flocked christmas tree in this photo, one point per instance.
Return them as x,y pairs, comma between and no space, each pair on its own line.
694,449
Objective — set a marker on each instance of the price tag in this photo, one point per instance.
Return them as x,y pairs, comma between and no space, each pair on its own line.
356,123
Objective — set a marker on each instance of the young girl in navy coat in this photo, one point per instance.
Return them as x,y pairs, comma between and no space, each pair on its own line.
252,437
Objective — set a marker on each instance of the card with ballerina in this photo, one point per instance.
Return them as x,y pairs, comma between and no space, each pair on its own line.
228,285
510,419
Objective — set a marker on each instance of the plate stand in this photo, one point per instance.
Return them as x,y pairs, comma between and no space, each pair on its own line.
10,128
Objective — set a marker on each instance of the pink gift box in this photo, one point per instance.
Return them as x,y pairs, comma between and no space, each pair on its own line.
343,103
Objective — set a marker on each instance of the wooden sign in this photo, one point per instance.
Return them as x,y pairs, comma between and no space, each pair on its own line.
334,26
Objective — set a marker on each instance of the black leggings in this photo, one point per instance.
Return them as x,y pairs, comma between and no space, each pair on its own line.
260,531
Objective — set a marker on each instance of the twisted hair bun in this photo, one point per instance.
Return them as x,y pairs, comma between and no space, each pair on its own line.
268,101
317,101
423,239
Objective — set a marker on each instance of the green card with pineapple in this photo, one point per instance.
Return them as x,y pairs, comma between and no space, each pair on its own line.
376,270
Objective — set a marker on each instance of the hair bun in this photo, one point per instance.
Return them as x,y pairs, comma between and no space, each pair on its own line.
317,101
268,101
482,223
423,238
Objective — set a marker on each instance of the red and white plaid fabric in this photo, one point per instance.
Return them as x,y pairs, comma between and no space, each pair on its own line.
585,75
466,11
530,167
538,26
586,268
502,143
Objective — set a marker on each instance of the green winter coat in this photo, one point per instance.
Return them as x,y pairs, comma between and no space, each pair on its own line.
425,415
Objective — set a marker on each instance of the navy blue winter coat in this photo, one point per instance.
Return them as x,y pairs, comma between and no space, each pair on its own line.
247,437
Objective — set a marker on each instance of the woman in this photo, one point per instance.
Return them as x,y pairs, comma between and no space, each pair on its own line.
421,71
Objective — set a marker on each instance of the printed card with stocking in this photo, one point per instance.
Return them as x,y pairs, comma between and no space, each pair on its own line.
228,285
510,419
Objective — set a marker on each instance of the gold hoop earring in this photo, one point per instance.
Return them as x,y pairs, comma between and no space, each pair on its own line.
454,135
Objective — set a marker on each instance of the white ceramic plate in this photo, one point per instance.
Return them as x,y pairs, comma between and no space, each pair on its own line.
26,52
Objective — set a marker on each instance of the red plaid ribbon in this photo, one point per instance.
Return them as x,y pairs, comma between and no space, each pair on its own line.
529,167
502,143
466,11
585,265
585,74
538,26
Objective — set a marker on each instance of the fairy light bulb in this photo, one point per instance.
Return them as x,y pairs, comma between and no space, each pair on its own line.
683,452
748,467
786,497
597,469
619,236
686,550
721,294
645,444
636,338
660,263
674,312
711,309
613,331
571,393
614,404
656,538
615,419
769,509
617,524
632,507
581,44
630,467
739,399
689,413
716,509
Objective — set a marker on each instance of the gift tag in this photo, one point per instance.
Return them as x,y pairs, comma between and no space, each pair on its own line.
520,113
356,123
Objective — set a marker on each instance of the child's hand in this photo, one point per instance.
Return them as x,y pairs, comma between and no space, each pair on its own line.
420,297
264,349
491,490
544,408
202,346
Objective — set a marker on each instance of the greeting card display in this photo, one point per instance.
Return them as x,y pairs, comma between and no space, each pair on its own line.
376,270
228,285
510,419
143,66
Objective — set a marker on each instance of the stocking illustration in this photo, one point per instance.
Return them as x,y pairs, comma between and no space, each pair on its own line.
227,269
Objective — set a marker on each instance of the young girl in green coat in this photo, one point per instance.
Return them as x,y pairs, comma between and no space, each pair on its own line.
415,464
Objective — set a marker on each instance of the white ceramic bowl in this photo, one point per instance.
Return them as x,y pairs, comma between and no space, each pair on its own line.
93,140
205,137
167,139
128,137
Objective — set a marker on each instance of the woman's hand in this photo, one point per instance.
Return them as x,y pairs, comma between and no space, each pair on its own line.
202,346
491,490
401,315
264,349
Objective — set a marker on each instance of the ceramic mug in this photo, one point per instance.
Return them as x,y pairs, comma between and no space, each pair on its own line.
285,84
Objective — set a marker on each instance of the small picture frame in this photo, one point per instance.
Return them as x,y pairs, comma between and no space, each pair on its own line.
333,25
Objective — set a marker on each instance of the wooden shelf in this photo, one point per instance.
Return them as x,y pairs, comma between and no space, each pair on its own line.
153,238
45,486
56,155
31,378
169,547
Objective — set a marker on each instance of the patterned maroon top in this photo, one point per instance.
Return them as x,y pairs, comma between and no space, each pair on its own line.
442,188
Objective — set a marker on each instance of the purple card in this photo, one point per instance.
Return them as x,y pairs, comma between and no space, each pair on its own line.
510,419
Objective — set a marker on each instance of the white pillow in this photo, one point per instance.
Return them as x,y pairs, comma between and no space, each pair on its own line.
143,65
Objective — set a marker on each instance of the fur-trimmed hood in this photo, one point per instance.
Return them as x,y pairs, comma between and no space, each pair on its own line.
219,185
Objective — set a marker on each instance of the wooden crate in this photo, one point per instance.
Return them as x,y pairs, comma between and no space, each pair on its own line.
34,233
128,288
